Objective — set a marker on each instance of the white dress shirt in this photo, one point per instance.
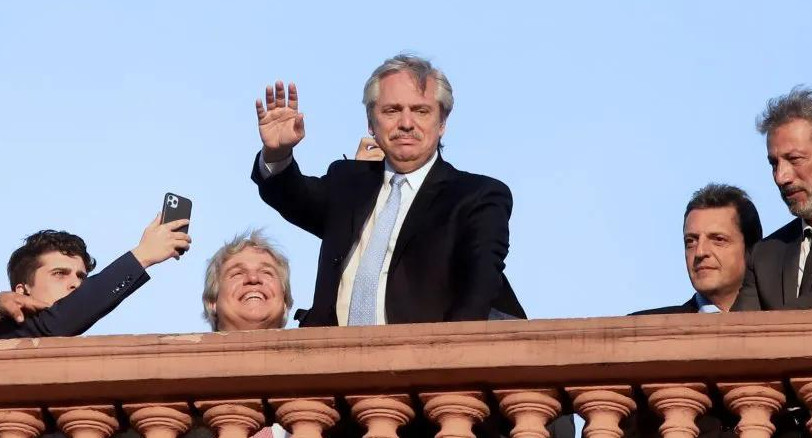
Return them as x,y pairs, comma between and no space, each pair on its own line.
804,253
705,305
414,181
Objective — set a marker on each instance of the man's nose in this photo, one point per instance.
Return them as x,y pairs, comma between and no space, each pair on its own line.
74,283
406,122
701,249
782,174
252,277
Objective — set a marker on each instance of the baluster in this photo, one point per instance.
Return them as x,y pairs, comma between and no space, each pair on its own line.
86,421
530,410
803,387
755,403
305,418
602,407
679,405
21,423
381,415
455,412
159,420
233,418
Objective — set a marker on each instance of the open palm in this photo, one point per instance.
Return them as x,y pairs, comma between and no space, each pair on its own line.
281,125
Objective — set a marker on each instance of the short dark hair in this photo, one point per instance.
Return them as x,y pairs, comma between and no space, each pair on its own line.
723,195
25,261
797,104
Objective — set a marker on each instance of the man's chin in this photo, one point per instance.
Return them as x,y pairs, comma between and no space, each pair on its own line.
260,320
801,210
705,285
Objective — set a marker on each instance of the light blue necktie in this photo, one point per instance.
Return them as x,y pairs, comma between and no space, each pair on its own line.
365,287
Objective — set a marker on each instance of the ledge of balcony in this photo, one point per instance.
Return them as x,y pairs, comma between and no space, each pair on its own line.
758,346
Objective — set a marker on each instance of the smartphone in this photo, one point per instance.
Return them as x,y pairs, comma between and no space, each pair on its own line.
176,207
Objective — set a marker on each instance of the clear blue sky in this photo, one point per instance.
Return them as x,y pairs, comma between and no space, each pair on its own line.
602,117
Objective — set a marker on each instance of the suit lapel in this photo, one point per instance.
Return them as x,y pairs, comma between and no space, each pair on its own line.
805,294
365,193
416,218
790,272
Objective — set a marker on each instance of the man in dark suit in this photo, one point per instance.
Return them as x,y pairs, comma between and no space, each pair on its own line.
720,226
405,240
779,275
50,270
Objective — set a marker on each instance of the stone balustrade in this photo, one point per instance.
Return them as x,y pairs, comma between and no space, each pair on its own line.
379,379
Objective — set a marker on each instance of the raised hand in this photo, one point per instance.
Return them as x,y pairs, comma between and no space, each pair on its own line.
281,125
15,305
161,241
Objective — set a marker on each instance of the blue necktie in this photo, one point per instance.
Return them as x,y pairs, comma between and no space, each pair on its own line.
365,286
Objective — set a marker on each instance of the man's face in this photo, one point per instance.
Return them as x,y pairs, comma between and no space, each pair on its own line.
714,251
407,123
251,295
57,276
789,151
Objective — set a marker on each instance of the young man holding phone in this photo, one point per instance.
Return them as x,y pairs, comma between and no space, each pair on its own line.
48,275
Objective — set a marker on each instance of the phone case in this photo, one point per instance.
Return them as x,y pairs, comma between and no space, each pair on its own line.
176,207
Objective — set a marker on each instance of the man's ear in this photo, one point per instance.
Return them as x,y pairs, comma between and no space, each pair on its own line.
371,127
20,289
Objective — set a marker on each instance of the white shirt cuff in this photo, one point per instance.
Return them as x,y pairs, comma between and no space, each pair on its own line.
267,170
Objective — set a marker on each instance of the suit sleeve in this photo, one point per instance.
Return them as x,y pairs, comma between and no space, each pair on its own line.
301,200
747,300
483,246
92,300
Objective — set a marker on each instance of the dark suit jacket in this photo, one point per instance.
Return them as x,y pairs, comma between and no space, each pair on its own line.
448,261
772,273
717,422
92,300
687,307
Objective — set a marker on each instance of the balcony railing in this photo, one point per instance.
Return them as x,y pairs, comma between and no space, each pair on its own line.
454,374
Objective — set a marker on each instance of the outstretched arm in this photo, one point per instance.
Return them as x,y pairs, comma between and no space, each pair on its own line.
99,294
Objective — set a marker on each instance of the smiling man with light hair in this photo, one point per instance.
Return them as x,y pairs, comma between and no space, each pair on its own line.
247,286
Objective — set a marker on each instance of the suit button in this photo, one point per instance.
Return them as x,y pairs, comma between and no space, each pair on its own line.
337,260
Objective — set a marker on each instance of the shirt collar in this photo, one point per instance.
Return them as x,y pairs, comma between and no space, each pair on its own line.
415,178
705,305
805,226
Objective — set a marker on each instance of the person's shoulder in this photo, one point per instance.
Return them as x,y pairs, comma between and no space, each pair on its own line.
474,181
687,307
787,232
663,311
349,167
779,238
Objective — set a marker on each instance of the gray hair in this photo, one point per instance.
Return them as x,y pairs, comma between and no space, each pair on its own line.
254,239
784,109
421,69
